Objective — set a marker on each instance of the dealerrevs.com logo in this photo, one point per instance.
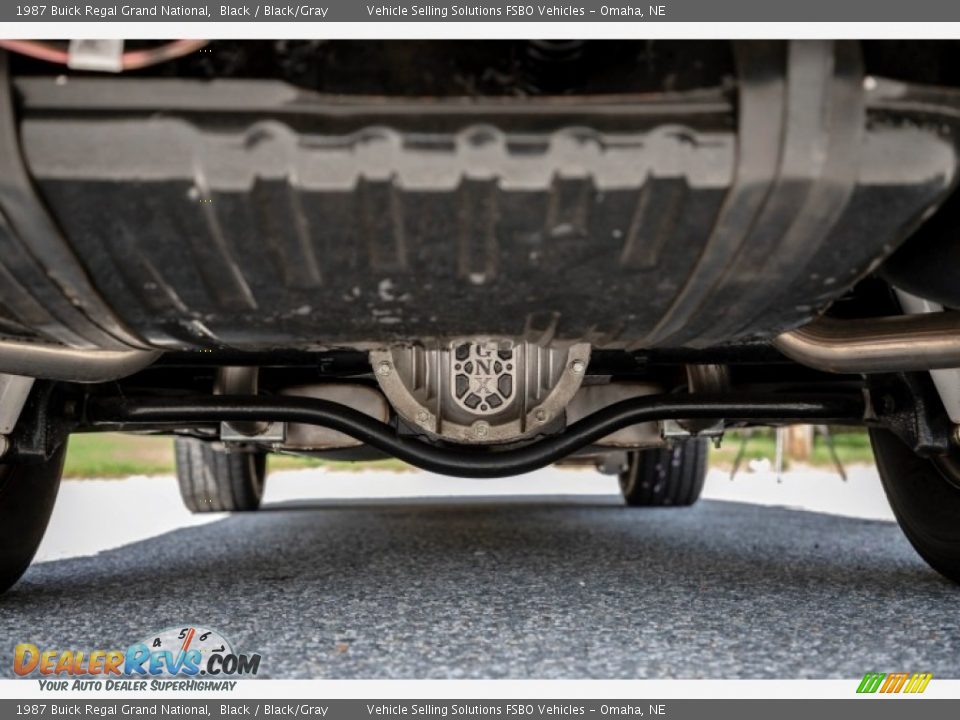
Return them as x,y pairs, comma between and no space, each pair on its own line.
179,658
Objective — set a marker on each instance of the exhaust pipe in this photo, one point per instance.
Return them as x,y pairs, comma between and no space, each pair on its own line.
56,362
876,345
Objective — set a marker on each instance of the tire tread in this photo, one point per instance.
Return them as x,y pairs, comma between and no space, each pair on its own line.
925,499
663,477
213,480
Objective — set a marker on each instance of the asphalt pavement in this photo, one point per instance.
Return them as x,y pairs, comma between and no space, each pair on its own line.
516,587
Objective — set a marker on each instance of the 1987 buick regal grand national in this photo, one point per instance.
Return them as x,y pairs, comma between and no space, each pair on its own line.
481,258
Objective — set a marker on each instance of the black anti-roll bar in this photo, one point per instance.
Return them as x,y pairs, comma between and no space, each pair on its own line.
466,461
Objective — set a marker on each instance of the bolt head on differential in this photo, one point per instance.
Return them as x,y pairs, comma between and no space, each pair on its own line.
481,429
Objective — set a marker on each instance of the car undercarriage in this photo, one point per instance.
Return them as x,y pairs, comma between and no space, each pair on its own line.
481,258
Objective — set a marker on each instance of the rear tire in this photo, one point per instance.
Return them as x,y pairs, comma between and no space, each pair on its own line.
665,477
925,497
215,480
27,495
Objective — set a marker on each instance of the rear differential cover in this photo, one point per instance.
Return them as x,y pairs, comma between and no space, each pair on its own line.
481,390
483,377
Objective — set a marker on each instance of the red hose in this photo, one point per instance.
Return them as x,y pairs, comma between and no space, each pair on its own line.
136,59
38,50
131,60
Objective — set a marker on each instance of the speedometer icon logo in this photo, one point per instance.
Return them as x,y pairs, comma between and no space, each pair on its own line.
197,643
189,650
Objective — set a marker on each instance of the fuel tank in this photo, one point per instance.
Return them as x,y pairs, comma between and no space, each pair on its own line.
250,214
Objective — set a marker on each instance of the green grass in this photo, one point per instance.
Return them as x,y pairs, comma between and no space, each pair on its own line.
109,455
852,448
112,455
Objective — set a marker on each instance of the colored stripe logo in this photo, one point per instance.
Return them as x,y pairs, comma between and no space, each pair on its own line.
894,683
